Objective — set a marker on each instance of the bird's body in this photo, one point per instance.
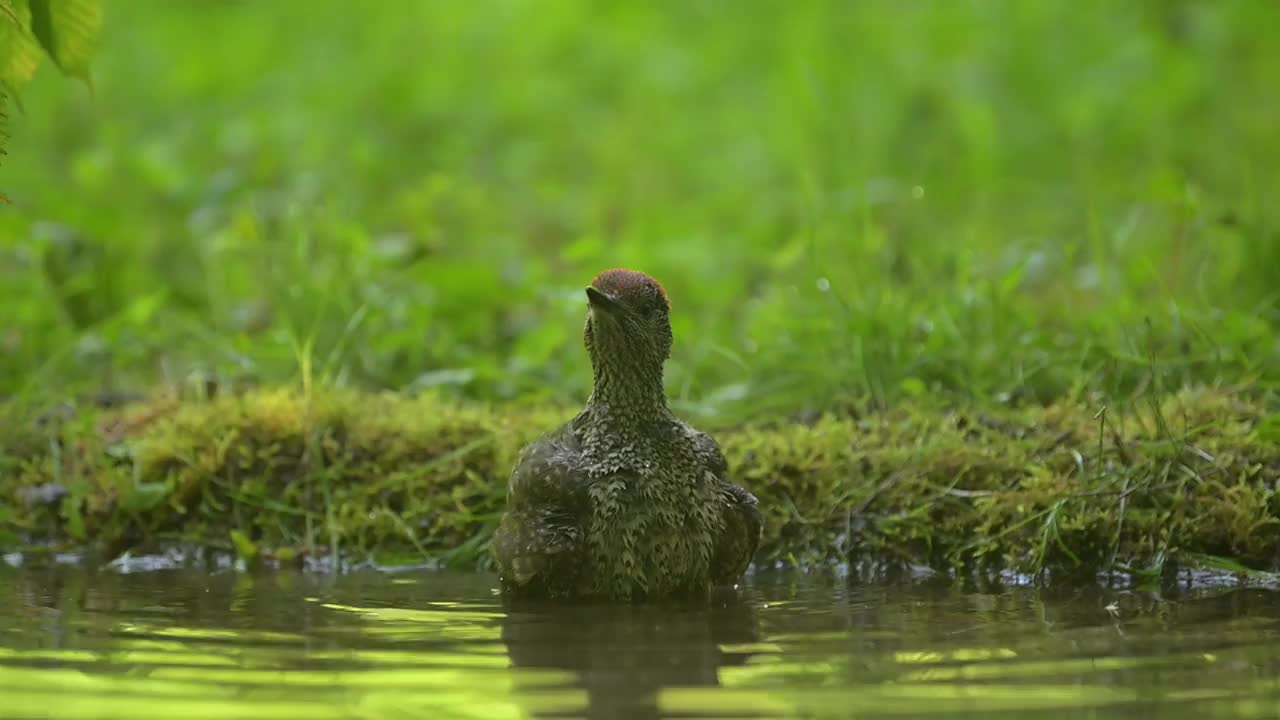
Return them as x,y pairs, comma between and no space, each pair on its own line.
625,501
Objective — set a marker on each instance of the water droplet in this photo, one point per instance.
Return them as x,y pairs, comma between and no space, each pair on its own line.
824,285
917,192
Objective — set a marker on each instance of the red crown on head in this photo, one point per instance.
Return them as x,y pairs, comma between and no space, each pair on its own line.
623,283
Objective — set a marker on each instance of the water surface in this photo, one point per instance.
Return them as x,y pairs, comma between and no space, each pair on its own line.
76,643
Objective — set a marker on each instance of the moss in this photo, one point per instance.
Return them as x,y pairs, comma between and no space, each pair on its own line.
1064,487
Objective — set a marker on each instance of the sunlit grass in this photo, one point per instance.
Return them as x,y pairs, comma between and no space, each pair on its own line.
1000,204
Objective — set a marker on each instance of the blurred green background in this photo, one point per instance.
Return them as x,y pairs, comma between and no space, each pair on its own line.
975,201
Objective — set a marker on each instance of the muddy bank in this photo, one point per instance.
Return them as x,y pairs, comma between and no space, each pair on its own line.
1190,480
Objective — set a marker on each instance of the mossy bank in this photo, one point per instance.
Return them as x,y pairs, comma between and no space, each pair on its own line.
1070,487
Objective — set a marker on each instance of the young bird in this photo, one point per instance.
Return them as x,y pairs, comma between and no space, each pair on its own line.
625,502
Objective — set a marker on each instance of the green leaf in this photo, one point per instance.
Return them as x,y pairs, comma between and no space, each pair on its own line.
19,54
67,30
144,496
6,9
1205,561
246,550
1010,283
42,25
71,513
1269,429
8,538
913,387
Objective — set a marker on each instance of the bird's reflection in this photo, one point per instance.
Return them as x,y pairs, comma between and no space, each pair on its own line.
623,655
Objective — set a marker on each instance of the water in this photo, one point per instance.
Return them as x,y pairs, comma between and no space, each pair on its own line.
183,644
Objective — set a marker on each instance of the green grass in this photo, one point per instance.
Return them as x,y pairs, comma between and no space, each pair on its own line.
989,203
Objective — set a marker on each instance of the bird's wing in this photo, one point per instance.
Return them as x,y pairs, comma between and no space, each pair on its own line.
536,478
743,528
743,521
709,451
540,535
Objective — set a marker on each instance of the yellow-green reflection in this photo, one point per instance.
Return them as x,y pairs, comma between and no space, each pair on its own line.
253,636
388,614
377,650
891,699
1050,668
144,670
959,654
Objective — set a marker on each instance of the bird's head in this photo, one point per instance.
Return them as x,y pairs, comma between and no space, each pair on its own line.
629,320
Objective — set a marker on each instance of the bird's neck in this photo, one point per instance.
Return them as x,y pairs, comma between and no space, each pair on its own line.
626,395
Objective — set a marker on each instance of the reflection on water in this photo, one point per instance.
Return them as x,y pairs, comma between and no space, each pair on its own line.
626,656
77,644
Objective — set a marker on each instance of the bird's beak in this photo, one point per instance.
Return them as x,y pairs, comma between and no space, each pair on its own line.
602,300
